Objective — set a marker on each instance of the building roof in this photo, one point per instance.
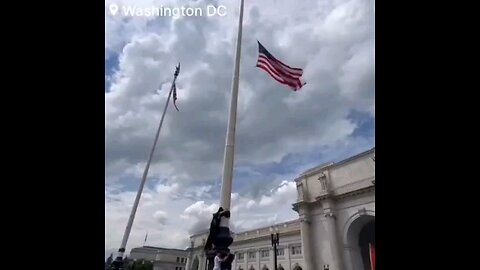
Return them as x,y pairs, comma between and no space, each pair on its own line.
302,175
333,164
272,225
200,232
364,153
158,248
252,230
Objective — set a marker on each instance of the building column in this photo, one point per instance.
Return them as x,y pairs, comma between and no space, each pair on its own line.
336,263
201,265
348,255
258,260
332,237
272,254
187,265
289,267
234,263
306,246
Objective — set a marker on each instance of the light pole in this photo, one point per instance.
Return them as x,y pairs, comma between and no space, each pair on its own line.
275,240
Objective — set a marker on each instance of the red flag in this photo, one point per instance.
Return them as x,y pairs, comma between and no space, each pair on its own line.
372,255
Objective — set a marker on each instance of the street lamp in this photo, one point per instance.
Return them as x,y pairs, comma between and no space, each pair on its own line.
275,240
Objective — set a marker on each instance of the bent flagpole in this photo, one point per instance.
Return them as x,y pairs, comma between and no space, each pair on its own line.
118,263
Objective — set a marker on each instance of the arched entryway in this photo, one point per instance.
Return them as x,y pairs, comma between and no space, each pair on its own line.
359,233
195,263
366,238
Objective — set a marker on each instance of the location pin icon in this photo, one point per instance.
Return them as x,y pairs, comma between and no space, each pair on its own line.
113,9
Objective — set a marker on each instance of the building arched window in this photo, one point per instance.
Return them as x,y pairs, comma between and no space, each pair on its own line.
265,267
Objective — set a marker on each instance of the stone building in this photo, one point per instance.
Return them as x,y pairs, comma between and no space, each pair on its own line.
336,224
162,258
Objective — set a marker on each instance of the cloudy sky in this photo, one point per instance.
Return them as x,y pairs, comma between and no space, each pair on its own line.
280,133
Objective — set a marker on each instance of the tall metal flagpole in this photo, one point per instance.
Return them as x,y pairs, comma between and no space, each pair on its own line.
118,263
223,239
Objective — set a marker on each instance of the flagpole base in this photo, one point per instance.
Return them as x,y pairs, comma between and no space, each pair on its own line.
117,264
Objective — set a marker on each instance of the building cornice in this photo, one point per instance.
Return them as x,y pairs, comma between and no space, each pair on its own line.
314,170
264,237
200,233
296,206
332,196
156,249
354,193
279,225
325,166
357,156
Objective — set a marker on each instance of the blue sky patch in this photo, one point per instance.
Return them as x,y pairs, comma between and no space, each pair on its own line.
365,124
111,66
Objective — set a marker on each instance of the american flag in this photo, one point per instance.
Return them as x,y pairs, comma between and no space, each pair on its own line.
281,72
175,96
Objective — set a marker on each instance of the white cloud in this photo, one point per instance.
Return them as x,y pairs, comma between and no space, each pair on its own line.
168,226
199,215
156,215
334,41
160,216
270,208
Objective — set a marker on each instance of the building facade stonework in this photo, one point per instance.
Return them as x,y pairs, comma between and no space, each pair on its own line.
336,207
336,224
162,258
253,249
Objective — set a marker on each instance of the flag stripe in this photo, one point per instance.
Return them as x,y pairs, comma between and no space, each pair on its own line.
297,71
293,85
291,81
278,65
278,70
271,70
292,70
280,80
